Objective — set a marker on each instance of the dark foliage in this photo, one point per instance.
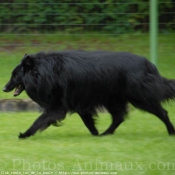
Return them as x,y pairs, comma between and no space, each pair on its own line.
78,16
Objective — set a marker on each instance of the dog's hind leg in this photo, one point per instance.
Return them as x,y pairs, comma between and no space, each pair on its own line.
117,119
163,116
89,123
44,121
117,112
156,109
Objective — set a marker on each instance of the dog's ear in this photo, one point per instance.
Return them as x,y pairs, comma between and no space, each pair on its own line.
27,63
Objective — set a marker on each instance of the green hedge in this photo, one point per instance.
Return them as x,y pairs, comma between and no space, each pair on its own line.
116,16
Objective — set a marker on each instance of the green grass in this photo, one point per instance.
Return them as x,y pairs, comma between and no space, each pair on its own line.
140,145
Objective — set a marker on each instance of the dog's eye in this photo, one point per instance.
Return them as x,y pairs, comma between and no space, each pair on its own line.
15,76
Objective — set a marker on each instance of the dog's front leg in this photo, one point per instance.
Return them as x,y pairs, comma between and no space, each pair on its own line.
34,128
45,120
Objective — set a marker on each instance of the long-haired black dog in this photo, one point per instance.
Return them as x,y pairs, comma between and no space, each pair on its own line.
80,81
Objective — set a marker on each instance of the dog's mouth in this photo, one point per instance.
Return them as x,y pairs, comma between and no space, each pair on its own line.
18,90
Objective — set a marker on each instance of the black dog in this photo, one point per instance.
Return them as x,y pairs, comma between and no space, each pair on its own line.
82,82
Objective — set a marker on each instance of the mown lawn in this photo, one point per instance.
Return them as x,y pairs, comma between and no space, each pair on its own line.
140,145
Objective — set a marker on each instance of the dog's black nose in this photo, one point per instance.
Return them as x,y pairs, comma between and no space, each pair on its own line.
4,89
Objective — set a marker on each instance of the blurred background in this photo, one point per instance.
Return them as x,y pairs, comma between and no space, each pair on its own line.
30,26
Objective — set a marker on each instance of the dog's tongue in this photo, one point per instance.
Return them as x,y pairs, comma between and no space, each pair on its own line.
16,91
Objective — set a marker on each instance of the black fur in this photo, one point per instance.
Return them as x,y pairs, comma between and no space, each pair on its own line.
82,82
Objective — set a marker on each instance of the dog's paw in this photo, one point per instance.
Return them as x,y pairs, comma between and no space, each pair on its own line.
95,133
172,133
21,136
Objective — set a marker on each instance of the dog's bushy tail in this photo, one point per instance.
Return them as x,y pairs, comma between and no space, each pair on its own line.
167,86
169,89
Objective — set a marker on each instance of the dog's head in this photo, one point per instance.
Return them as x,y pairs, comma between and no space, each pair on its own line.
16,81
